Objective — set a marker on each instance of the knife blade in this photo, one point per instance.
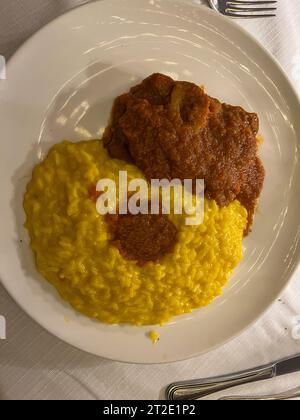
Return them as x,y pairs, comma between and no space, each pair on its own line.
288,365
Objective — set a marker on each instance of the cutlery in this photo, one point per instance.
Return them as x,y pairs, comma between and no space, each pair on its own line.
195,389
247,9
288,395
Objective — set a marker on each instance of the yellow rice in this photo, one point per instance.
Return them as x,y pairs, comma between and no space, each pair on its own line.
73,252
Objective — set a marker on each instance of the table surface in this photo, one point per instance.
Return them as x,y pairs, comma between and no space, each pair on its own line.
36,365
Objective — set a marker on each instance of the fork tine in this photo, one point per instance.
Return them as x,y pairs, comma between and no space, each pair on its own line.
248,16
250,9
236,8
250,3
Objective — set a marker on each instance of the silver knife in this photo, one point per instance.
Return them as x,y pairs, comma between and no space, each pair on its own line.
195,389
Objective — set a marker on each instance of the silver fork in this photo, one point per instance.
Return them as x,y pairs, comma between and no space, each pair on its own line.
247,9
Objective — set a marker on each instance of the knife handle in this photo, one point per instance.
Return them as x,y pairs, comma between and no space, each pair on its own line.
192,390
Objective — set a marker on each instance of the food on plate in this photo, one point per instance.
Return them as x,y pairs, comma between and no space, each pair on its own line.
175,130
154,336
85,255
143,237
136,268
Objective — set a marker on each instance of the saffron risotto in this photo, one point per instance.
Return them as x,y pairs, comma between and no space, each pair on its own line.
73,251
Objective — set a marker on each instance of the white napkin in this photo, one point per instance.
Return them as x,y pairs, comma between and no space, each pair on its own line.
36,365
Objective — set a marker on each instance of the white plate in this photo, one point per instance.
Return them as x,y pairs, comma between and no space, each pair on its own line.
61,84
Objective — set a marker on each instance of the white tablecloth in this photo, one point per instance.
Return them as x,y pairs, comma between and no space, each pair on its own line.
36,365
